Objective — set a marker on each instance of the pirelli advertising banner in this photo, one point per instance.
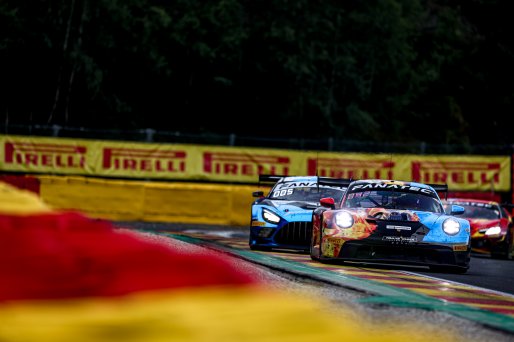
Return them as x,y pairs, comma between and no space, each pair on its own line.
240,164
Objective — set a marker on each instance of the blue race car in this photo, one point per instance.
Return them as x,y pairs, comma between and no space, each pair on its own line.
389,221
283,218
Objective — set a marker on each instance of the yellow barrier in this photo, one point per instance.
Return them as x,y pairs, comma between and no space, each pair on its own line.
14,201
150,201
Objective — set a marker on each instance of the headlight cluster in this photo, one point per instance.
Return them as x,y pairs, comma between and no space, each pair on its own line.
451,226
270,217
493,231
344,219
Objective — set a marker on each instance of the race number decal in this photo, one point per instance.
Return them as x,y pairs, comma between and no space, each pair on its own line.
284,192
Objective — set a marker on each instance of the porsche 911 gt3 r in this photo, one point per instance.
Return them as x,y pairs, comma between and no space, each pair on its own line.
282,219
390,221
492,230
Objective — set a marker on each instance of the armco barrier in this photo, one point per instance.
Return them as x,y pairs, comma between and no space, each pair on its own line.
150,201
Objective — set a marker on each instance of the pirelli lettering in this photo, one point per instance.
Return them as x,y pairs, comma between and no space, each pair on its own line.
350,168
43,155
144,160
244,164
456,172
67,156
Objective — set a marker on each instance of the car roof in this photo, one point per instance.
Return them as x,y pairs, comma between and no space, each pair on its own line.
390,181
299,179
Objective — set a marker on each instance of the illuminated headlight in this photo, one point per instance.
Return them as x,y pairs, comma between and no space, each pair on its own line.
270,217
344,219
451,226
493,231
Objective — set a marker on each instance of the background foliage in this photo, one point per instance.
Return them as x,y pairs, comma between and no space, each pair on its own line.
405,71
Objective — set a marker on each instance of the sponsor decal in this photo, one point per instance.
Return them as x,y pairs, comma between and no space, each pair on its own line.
32,154
244,164
460,248
331,247
350,168
258,224
399,239
463,172
473,204
289,185
296,185
390,226
144,160
390,186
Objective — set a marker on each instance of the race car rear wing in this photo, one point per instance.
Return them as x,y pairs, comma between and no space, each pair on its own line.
270,178
507,205
440,188
328,181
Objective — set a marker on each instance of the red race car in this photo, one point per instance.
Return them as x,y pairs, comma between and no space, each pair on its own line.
492,229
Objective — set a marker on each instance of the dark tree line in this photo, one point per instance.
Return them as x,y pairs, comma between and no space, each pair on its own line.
438,71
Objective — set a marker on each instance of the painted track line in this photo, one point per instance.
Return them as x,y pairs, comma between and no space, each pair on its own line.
478,288
381,293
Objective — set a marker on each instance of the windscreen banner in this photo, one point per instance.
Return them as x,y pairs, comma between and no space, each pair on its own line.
242,164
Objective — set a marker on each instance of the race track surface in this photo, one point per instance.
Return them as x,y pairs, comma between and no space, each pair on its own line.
484,294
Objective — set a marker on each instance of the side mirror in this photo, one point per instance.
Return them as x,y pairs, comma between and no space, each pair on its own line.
328,202
457,210
258,194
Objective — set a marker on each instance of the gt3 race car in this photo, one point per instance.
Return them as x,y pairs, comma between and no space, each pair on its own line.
492,230
391,221
283,218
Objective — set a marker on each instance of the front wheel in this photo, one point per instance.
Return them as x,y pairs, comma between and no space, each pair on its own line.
260,248
316,255
504,250
449,269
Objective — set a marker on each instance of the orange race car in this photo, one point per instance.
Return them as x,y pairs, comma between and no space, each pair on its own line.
492,228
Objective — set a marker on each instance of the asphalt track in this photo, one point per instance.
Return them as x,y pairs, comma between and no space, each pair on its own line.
493,274
484,294
484,272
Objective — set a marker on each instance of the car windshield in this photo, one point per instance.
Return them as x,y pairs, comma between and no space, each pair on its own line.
392,199
311,193
480,211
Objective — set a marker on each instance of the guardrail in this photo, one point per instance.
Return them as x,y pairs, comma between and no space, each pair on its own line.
326,144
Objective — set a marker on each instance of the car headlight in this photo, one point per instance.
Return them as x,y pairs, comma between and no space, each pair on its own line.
451,226
344,219
270,217
493,231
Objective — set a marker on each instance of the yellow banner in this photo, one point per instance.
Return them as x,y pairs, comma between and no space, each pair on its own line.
243,164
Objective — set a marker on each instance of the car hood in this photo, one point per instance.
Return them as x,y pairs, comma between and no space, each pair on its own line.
426,224
400,215
428,219
288,206
478,224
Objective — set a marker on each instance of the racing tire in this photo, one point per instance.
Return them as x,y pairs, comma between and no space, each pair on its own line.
504,251
260,248
449,269
311,252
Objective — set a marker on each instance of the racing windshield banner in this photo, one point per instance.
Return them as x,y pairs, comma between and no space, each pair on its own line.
242,164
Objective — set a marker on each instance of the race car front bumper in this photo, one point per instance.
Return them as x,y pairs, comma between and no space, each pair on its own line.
486,244
290,235
409,254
